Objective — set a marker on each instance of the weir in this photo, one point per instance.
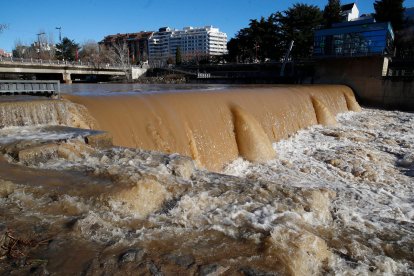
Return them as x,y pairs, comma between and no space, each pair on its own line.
14,113
216,127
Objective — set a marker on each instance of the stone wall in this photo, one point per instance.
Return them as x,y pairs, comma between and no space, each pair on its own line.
367,77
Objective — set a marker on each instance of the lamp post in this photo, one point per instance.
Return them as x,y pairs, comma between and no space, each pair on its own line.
60,33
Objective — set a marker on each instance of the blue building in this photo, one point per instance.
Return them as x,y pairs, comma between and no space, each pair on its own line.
360,37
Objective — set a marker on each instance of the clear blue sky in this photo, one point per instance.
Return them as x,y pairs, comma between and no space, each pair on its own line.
84,20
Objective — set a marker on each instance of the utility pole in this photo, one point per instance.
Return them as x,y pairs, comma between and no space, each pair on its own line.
60,33
38,41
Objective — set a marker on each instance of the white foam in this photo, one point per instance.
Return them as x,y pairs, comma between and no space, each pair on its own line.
358,159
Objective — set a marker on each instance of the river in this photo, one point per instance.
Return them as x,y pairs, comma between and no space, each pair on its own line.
334,199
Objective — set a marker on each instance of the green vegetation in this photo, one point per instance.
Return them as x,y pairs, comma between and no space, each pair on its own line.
390,10
66,50
178,58
268,38
332,13
299,24
393,11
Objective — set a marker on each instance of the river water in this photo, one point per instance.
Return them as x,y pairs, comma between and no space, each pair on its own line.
335,200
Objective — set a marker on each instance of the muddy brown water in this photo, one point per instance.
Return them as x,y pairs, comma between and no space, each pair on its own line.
201,124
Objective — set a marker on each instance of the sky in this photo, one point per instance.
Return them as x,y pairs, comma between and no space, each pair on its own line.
83,20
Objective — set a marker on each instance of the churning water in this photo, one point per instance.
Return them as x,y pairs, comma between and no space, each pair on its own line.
334,199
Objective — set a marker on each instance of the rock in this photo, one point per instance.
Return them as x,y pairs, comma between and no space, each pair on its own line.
305,170
182,260
154,270
319,201
302,252
99,140
212,270
336,162
248,271
132,255
73,150
207,270
6,188
39,270
181,166
43,153
40,154
141,197
406,162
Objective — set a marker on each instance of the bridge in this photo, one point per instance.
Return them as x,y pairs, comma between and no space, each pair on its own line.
66,69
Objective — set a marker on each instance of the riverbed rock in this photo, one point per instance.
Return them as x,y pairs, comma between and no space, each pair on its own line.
181,166
132,255
99,140
39,154
6,188
302,252
141,197
184,261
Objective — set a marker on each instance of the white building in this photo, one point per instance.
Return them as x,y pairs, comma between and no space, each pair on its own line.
350,12
192,42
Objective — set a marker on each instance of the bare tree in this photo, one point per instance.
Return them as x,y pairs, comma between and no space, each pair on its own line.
91,54
51,41
24,51
119,54
3,27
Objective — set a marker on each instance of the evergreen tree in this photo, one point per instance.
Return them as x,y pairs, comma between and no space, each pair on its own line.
178,57
66,49
390,10
332,13
261,38
299,23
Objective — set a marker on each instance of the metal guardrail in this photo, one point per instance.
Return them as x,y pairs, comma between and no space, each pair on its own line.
65,63
400,72
27,87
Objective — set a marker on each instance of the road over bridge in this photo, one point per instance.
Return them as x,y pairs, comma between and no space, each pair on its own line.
66,69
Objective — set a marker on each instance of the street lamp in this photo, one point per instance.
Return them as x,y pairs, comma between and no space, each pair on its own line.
60,33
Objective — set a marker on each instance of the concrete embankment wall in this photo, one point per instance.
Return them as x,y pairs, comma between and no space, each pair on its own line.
367,77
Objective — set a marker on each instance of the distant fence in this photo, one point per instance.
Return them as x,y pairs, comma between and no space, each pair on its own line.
36,88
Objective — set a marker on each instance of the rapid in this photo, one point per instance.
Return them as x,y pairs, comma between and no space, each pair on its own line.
257,180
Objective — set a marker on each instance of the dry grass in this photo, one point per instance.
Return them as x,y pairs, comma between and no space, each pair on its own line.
13,247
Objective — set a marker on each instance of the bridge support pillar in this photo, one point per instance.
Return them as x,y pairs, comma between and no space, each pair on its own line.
67,78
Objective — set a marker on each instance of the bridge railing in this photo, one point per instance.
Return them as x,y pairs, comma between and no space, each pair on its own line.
64,63
30,87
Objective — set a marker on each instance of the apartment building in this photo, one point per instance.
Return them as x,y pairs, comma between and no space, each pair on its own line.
193,42
137,44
